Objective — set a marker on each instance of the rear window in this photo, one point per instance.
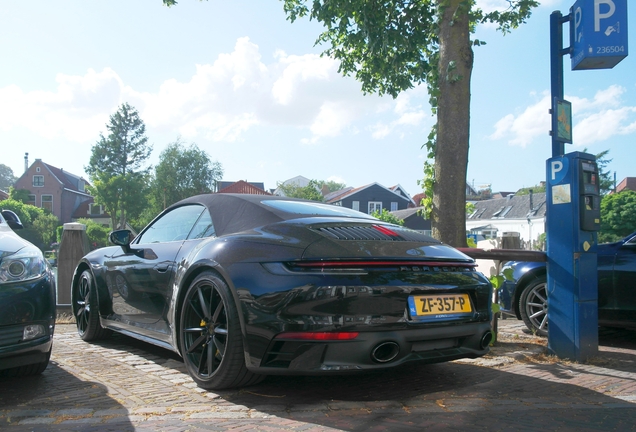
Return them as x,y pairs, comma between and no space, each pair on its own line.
314,209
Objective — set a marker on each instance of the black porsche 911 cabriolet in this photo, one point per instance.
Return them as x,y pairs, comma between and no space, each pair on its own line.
244,286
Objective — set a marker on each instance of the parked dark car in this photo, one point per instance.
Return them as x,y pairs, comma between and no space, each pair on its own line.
27,303
525,296
243,286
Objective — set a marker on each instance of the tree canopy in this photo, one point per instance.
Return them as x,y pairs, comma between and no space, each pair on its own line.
183,172
116,166
39,224
7,179
387,216
330,185
394,45
618,216
310,192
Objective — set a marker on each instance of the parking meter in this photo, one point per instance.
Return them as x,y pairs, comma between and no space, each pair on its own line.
572,218
590,200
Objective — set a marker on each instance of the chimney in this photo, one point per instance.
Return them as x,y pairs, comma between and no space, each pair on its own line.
531,203
26,162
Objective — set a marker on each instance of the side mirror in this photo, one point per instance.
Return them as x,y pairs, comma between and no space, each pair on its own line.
12,219
121,238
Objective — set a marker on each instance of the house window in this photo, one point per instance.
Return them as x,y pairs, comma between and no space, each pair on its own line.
38,180
355,205
47,202
375,206
31,200
394,206
498,212
80,186
95,209
505,211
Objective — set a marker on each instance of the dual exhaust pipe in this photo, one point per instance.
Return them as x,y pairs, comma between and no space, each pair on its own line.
386,352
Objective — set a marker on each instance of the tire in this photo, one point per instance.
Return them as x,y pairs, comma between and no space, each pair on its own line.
211,342
533,306
85,309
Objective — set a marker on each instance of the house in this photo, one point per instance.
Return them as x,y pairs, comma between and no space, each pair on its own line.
628,183
414,219
90,210
370,198
471,191
58,191
298,181
3,195
398,189
236,185
242,187
522,214
417,199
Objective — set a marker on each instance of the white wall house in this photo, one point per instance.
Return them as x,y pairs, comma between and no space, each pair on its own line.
524,214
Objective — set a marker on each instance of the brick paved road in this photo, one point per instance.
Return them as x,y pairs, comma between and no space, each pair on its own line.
123,385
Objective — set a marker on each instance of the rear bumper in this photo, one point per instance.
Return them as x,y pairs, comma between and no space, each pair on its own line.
376,350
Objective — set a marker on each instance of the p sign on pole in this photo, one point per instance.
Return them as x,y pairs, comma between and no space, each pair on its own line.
598,33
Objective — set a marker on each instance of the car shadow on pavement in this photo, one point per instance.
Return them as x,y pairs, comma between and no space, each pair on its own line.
58,400
453,396
528,393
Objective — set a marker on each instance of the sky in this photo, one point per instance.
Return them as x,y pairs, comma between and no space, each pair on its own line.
251,89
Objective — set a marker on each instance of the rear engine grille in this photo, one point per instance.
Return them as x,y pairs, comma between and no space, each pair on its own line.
373,233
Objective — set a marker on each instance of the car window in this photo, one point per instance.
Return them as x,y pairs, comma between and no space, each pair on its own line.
203,228
314,209
172,226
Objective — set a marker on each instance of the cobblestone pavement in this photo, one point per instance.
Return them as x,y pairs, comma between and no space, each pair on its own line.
124,385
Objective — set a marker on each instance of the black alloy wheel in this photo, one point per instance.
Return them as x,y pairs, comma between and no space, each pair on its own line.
533,305
85,309
210,336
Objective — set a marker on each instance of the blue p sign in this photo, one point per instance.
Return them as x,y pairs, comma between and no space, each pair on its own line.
598,33
558,168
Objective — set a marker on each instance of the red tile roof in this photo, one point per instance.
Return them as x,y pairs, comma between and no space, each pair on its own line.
628,183
243,187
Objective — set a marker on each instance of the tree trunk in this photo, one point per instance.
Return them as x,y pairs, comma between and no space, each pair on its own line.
453,123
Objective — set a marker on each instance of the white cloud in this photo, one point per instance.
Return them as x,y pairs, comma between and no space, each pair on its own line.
599,126
332,118
77,110
522,129
594,120
298,70
220,102
408,115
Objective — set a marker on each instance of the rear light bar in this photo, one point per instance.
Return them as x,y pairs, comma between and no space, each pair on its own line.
318,336
358,264
386,231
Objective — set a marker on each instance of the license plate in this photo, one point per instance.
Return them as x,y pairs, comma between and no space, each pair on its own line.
439,306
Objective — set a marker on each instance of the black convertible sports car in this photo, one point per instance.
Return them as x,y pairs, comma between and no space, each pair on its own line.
243,286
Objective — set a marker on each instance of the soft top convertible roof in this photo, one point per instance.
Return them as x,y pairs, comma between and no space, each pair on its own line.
233,213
